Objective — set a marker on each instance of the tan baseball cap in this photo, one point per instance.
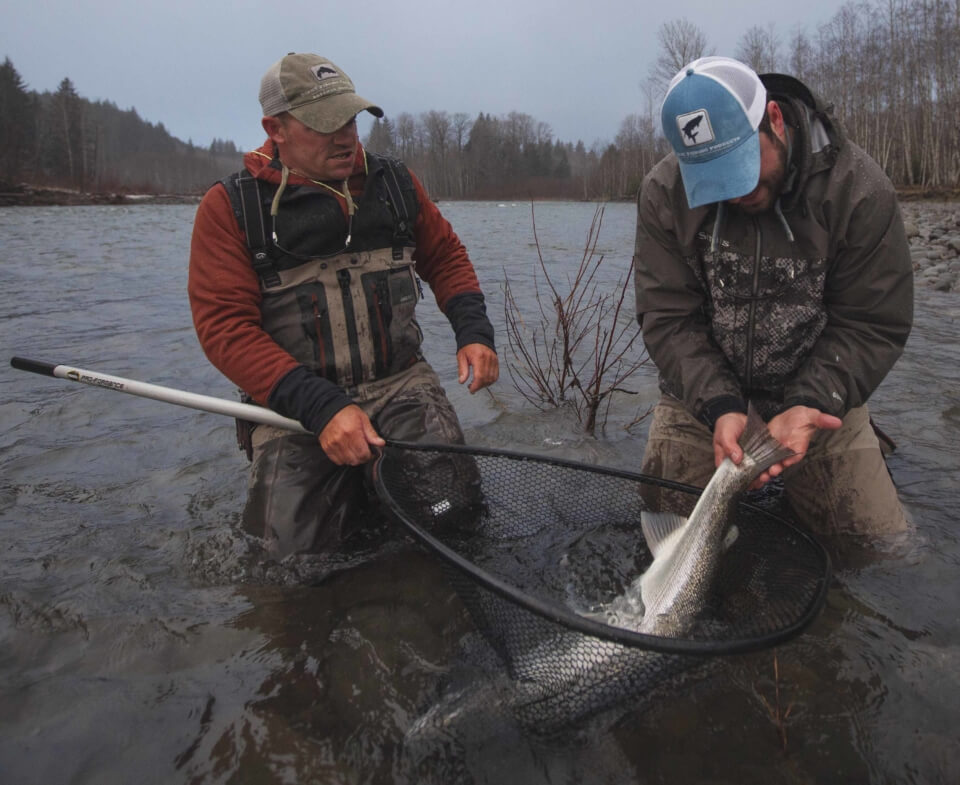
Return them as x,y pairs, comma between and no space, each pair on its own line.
313,90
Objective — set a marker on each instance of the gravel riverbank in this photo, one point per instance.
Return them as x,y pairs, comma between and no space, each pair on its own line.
933,229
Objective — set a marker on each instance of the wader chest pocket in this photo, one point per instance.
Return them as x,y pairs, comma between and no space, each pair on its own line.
315,322
391,297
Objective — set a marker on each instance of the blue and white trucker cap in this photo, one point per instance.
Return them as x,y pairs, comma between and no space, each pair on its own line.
710,115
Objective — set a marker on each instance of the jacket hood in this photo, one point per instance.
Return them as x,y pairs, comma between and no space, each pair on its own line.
817,135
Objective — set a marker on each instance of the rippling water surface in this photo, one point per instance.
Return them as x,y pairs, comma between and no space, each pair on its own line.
142,640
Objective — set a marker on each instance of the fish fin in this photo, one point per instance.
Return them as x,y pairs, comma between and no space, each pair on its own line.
759,443
658,528
662,531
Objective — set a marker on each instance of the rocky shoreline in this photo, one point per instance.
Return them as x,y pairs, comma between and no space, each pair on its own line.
933,229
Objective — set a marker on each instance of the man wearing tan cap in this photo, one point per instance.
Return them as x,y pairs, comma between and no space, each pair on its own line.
304,277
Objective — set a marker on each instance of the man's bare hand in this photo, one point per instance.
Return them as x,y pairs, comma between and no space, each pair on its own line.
484,363
793,428
347,438
727,431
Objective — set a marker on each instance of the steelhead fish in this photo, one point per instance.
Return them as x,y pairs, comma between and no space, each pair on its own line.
571,676
687,551
581,678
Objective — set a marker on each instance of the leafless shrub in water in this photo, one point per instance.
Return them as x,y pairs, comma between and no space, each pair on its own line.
581,347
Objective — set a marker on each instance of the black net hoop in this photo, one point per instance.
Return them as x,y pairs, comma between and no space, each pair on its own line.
559,540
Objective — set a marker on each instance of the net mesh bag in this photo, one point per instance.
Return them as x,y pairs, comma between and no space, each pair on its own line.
543,549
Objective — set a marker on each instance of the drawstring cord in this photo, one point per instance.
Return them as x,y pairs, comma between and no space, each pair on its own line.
777,209
718,222
348,197
783,221
351,209
715,237
275,204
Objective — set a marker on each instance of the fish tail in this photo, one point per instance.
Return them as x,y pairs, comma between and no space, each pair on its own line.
759,444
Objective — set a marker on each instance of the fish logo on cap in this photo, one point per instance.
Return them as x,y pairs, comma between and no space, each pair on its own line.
324,72
695,128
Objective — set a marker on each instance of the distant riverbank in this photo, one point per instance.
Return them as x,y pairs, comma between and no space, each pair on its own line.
933,225
38,196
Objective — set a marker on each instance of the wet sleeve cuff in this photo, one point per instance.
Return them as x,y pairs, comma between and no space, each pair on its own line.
813,403
307,398
468,316
715,408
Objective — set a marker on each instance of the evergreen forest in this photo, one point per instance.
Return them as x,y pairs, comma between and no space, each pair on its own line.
890,68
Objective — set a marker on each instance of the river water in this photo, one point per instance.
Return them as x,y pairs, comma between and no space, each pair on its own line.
143,640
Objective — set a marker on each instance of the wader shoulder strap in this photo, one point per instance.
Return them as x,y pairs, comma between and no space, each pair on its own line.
244,191
402,200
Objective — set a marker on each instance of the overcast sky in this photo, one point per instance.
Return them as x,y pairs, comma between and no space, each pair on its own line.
195,65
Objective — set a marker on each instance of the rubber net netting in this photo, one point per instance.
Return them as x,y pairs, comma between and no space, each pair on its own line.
543,548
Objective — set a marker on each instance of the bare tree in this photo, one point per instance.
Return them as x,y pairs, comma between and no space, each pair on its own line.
438,137
802,57
407,136
681,42
68,109
759,47
460,128
639,151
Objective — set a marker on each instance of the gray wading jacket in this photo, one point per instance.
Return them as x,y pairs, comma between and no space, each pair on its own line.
809,303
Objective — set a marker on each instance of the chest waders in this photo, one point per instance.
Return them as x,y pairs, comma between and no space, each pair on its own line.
339,295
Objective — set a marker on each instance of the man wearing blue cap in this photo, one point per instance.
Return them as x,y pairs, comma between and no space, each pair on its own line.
772,268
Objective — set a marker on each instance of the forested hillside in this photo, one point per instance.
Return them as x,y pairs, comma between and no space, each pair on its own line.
62,139
891,69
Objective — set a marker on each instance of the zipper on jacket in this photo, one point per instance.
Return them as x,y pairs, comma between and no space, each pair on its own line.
343,278
751,326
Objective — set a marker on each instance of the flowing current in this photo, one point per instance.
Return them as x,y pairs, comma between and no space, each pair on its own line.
143,640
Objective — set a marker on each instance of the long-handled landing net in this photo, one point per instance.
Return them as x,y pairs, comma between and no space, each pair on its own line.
543,547
554,542
561,540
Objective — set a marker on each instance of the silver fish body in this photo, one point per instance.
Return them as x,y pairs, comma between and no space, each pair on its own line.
570,677
687,551
587,674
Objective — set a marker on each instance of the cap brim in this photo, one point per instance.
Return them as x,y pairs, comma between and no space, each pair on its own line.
332,112
728,176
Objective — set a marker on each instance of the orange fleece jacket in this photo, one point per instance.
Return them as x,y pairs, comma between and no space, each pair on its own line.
225,292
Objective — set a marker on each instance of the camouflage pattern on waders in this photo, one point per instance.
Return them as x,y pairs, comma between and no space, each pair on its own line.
842,485
349,315
299,501
807,303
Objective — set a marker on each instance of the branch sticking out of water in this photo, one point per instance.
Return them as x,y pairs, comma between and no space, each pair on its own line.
582,346
777,715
